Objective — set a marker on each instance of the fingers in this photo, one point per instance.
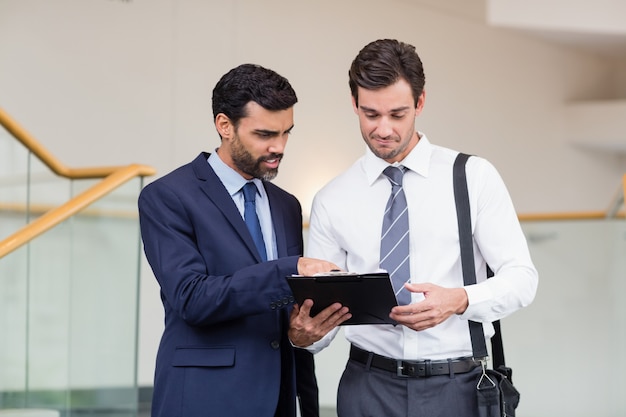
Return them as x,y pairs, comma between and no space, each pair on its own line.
422,287
311,266
305,330
416,319
438,305
305,309
422,315
331,317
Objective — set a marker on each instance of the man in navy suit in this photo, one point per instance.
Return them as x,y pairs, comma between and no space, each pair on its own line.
224,350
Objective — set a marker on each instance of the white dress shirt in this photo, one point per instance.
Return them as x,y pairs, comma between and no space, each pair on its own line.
345,228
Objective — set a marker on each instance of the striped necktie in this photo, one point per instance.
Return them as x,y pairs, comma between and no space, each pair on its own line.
251,218
394,243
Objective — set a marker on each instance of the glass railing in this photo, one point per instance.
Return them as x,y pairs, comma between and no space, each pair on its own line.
69,298
13,272
567,348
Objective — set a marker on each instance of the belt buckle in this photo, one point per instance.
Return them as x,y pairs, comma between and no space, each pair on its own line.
400,368
413,369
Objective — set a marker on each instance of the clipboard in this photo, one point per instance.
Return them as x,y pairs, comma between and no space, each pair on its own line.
370,297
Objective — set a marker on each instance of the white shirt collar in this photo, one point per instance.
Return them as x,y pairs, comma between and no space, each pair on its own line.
232,180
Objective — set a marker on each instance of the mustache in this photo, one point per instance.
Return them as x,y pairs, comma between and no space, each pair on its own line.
278,156
387,138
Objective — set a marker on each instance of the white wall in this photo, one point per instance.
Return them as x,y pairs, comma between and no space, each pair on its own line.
92,78
105,82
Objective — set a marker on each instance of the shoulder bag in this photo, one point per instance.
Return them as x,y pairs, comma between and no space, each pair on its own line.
497,397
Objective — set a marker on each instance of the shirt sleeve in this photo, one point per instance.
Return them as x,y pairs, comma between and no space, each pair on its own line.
322,243
499,242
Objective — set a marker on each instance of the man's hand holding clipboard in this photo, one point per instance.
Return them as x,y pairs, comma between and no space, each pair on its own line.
328,300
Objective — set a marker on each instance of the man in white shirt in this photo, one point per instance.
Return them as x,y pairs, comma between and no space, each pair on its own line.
387,85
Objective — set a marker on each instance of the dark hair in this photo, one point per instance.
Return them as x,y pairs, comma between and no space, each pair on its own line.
382,63
249,82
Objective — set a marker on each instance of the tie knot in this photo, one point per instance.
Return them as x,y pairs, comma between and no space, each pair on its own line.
394,174
249,192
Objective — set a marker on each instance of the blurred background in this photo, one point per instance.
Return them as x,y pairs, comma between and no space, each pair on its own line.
536,87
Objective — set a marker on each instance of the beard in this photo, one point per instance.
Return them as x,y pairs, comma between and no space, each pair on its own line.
387,153
245,162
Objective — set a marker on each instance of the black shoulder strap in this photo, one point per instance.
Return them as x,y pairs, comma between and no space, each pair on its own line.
461,198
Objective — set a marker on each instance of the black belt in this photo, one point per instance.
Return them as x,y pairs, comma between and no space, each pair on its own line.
414,369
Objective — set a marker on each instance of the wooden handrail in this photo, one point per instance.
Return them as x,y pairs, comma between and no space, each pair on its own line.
59,214
563,216
112,178
50,161
615,210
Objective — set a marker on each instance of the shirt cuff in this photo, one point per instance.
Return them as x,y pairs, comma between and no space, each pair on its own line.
477,296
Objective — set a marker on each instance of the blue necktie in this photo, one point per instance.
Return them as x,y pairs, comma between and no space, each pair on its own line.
251,218
394,243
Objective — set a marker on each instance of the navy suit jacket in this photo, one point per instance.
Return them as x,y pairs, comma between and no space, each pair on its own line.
226,313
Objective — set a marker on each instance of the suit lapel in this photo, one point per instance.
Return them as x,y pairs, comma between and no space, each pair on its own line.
277,208
217,193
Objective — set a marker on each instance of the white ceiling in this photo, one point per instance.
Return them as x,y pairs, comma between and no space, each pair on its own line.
588,34
613,46
594,25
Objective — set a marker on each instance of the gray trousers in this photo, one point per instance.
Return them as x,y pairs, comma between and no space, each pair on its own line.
371,392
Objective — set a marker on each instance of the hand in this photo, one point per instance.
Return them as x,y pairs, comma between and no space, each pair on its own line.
439,304
304,330
311,266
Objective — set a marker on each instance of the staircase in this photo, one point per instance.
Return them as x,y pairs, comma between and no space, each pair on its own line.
69,283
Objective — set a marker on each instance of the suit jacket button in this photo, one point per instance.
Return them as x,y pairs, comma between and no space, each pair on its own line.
273,306
285,301
275,344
